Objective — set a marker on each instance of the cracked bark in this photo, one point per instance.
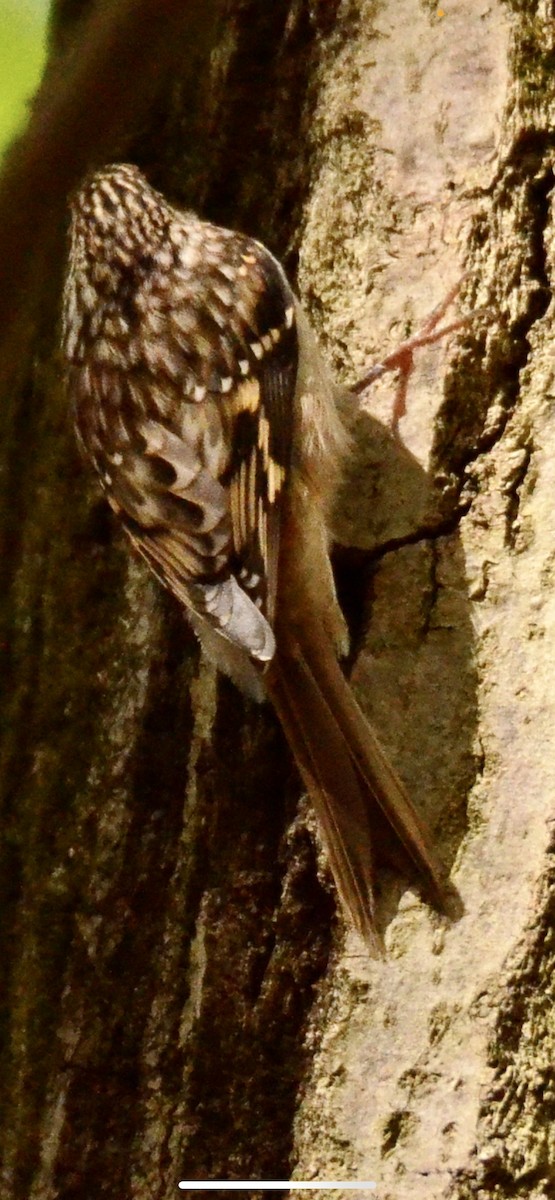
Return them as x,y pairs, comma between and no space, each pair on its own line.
179,1000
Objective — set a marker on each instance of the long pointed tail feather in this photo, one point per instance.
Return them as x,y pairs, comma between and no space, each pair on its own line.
333,785
354,788
383,782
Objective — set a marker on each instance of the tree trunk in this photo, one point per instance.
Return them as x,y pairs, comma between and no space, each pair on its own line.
180,1000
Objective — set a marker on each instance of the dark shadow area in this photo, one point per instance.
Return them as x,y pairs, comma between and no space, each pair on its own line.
267,923
101,885
138,892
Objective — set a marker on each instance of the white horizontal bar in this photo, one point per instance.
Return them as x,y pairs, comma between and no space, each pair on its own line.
273,1185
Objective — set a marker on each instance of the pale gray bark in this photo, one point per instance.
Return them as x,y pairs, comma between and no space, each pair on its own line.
434,1071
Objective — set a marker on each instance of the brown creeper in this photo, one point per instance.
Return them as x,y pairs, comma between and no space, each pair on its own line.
201,399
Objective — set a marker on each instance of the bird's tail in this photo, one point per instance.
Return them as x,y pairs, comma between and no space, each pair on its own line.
358,797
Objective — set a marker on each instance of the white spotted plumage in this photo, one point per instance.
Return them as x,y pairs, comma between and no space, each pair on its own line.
144,354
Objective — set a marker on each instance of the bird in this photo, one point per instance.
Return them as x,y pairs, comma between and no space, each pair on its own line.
205,406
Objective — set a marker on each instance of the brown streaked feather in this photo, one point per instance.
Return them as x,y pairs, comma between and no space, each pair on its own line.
384,788
182,354
357,794
334,787
258,412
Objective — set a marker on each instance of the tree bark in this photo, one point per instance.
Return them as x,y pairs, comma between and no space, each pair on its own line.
179,999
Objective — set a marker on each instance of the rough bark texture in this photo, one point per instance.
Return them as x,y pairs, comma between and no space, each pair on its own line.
179,1000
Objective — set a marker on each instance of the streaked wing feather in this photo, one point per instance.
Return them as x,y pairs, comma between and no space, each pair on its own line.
259,412
197,447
